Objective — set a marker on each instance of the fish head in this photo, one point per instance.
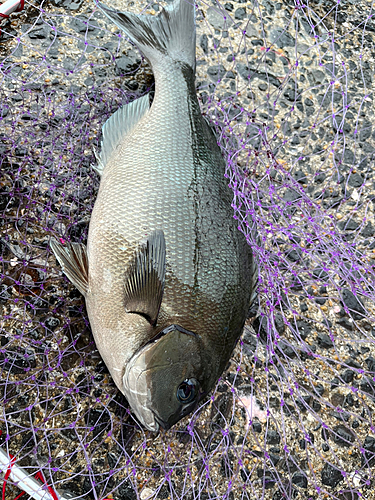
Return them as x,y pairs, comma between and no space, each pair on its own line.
165,379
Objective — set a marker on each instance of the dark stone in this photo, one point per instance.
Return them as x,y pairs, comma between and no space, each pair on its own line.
240,13
39,33
203,42
294,255
324,341
319,389
83,25
68,4
350,494
257,427
355,180
300,177
319,273
3,112
367,385
353,304
348,225
216,72
344,322
300,480
331,476
248,73
370,362
274,458
337,399
303,307
97,420
279,323
348,157
303,402
125,64
51,322
368,456
343,436
291,195
316,406
335,382
273,437
286,350
319,178
368,231
18,361
100,72
320,300
282,38
349,400
353,363
348,376
365,132
126,492
33,86
290,94
4,295
341,416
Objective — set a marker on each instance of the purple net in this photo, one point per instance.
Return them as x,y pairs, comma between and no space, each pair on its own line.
288,89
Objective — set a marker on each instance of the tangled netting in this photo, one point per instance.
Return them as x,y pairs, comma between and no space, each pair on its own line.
288,89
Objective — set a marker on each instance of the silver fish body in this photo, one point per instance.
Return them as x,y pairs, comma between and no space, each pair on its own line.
167,277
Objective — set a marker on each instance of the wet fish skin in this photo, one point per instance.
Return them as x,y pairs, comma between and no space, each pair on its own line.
167,276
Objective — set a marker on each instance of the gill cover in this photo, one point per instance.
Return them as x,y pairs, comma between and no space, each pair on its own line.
158,377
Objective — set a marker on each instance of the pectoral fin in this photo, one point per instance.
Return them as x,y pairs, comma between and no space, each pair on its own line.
73,260
145,277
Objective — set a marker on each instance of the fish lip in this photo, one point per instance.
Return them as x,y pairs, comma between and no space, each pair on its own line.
157,425
164,425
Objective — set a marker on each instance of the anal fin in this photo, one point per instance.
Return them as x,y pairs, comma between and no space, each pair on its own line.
73,260
145,277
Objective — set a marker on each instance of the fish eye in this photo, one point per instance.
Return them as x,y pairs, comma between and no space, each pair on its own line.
187,391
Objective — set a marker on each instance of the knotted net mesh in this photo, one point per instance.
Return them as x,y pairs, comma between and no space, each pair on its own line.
288,89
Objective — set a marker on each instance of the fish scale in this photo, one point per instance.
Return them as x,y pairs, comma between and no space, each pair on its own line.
169,276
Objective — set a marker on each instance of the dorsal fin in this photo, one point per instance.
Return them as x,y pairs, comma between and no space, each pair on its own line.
118,126
73,260
145,277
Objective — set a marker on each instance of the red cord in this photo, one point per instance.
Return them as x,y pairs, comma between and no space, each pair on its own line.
6,477
40,476
20,495
21,6
4,16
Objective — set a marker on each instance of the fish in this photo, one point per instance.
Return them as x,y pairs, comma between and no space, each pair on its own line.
167,277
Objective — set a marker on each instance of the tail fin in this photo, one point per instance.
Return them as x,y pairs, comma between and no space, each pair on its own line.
170,34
